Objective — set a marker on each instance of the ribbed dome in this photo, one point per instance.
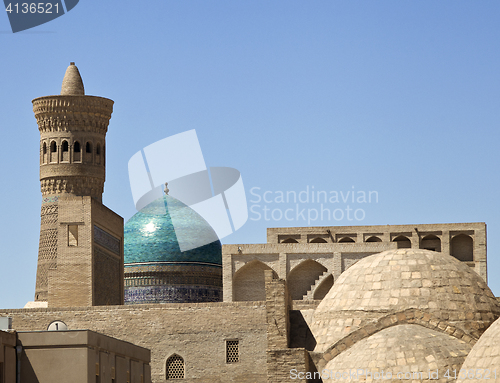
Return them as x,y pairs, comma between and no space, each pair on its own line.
397,280
72,84
405,349
485,355
150,235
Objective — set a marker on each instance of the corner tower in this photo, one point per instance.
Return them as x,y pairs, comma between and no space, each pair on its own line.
80,257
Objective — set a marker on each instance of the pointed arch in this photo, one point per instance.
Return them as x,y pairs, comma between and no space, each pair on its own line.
323,288
403,242
318,240
430,242
249,282
44,153
88,152
302,277
462,248
174,367
65,151
77,155
374,238
98,153
290,240
53,152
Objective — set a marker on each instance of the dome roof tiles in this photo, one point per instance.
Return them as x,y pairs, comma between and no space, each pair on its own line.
150,236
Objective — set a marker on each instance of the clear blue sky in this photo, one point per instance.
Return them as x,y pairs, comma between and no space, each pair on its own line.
398,97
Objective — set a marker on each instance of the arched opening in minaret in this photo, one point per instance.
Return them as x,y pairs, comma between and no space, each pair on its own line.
77,152
98,153
65,151
53,151
88,152
44,153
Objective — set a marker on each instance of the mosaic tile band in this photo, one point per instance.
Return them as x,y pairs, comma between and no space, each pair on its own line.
106,240
172,294
50,199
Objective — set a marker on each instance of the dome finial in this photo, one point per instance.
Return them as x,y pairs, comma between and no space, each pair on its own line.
166,188
72,84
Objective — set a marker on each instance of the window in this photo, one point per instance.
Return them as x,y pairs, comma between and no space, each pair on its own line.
65,151
77,147
44,148
232,351
53,147
72,235
175,367
88,147
98,149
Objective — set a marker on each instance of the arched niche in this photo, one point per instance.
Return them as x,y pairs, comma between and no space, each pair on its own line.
462,247
249,282
302,277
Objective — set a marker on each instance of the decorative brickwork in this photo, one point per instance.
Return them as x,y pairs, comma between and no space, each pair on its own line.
101,237
107,271
47,248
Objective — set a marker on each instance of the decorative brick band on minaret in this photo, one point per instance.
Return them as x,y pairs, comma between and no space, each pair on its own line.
73,130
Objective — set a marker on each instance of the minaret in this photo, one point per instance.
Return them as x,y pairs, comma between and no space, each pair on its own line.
73,130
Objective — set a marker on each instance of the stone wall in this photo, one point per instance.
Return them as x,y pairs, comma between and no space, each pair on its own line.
437,237
196,332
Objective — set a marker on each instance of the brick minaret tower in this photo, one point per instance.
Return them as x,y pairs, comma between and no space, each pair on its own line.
81,241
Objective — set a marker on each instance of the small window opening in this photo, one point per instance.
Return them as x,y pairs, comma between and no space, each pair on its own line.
98,149
88,147
72,235
44,148
77,147
53,147
232,351
64,146
175,367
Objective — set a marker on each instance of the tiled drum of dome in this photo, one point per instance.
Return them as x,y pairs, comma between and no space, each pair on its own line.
156,270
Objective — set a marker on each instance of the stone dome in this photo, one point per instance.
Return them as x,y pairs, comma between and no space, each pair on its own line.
398,280
485,355
157,270
406,350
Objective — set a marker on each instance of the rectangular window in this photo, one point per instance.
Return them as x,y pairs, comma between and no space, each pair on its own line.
72,235
232,351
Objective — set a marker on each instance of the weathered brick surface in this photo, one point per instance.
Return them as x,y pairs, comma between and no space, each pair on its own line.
197,332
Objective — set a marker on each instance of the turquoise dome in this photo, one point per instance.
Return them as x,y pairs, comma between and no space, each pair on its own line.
150,236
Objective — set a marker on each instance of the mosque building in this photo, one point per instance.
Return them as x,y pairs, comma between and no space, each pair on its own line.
312,304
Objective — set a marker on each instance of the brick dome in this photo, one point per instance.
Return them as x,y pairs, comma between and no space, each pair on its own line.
408,350
485,355
397,280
